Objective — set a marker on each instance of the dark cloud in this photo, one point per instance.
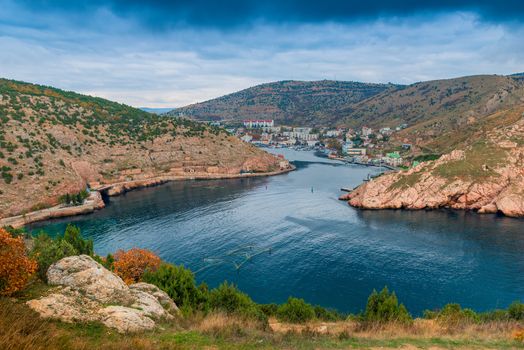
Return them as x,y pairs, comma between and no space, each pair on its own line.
224,14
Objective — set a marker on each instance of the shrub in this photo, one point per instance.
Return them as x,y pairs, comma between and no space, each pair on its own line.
131,265
179,283
327,315
516,310
74,199
15,267
227,298
384,307
47,251
453,316
295,311
518,335
269,310
16,232
73,236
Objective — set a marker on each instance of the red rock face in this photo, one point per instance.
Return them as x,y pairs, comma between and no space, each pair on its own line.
501,189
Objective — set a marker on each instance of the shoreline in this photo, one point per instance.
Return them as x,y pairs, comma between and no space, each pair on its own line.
95,201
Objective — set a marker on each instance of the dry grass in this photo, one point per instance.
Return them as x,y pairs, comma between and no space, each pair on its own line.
21,328
421,328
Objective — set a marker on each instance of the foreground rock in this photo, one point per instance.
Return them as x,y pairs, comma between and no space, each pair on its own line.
488,176
89,292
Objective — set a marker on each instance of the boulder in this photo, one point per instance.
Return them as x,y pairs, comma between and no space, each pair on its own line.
85,288
125,319
160,295
84,274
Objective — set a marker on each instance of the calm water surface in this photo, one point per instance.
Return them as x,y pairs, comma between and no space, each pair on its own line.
289,235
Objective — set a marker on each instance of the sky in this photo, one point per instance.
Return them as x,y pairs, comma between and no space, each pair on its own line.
173,53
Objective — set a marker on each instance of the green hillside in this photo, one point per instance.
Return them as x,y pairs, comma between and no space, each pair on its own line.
287,102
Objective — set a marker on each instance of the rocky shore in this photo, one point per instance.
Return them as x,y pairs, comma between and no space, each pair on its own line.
95,201
92,203
118,188
485,187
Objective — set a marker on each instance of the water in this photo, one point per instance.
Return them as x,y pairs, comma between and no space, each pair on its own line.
304,242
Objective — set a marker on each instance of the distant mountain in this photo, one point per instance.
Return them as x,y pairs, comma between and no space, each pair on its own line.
156,110
287,102
430,108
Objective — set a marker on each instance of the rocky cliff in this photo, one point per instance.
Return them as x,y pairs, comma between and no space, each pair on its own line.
54,142
487,176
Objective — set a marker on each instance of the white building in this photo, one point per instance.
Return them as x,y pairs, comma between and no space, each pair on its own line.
334,133
366,131
256,123
356,152
386,131
247,138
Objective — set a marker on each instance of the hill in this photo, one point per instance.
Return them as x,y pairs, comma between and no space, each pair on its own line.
54,142
428,108
437,112
287,102
484,173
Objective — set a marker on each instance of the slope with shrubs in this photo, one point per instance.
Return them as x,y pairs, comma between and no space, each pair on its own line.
53,142
485,174
224,317
288,102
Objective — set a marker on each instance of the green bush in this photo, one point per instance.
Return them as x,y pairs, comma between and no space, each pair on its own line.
17,232
73,236
179,283
516,311
47,251
453,316
493,315
384,307
227,298
327,315
74,199
295,311
269,310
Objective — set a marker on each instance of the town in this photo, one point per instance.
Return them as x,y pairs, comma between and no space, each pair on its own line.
361,146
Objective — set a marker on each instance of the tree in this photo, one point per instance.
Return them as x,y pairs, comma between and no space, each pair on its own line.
384,307
295,311
47,251
15,267
179,283
131,265
73,236
335,145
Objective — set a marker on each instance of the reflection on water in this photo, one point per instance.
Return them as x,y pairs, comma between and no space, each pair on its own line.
289,235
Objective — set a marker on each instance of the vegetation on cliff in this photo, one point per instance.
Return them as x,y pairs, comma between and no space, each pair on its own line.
485,174
287,102
54,142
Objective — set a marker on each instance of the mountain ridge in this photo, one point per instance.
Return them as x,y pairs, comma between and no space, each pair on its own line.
286,101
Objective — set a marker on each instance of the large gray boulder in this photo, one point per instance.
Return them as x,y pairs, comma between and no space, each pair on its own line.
88,292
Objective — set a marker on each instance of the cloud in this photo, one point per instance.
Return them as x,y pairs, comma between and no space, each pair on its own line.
104,49
164,15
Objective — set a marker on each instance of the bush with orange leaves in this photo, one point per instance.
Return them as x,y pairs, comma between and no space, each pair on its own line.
15,267
518,335
131,265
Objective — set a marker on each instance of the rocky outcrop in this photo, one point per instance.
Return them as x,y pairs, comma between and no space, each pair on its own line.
87,292
487,177
92,203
